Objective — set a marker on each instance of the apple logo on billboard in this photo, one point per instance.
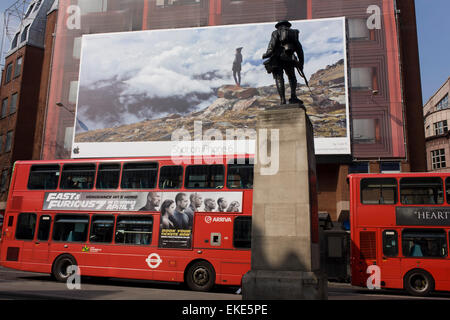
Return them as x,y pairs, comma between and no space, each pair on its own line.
76,150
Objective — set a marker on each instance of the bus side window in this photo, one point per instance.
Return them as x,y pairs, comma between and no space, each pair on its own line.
422,190
424,243
44,228
108,176
378,191
78,176
102,228
240,176
170,177
43,177
134,230
26,226
390,243
71,228
242,232
139,175
204,177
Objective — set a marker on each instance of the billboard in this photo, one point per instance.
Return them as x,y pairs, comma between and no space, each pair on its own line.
136,89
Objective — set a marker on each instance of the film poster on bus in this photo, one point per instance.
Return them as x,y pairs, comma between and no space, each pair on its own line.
177,209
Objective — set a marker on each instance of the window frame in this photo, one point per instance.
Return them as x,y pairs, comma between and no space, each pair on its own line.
402,199
396,193
91,227
63,216
248,243
383,240
17,226
65,173
126,170
123,216
42,166
99,170
208,178
424,231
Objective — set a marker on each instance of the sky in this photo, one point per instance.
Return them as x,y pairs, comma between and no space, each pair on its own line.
433,24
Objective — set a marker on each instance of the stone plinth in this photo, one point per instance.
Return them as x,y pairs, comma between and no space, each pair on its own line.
285,261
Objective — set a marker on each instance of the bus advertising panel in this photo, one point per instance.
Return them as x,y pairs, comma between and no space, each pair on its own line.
156,87
177,208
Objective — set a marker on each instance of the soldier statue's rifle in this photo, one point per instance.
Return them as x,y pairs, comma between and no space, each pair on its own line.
300,71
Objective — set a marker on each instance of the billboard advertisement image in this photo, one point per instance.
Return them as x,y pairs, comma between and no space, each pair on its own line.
152,83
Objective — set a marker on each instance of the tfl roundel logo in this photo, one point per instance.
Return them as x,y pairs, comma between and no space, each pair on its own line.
208,219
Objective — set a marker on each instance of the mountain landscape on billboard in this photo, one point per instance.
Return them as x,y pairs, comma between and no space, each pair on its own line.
236,108
154,82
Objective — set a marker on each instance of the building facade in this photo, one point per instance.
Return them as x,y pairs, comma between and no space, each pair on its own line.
384,90
436,119
19,92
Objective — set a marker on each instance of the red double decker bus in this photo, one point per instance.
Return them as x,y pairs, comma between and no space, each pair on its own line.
400,223
140,218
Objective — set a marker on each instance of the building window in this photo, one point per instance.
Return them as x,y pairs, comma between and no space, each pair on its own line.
440,127
8,73
438,159
92,6
8,141
390,167
3,181
357,29
30,9
4,107
14,42
24,34
18,67
443,104
366,131
364,78
38,4
13,103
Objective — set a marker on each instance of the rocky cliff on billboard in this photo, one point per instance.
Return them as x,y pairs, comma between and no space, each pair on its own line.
235,107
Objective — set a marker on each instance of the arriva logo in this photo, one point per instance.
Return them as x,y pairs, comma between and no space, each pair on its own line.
209,219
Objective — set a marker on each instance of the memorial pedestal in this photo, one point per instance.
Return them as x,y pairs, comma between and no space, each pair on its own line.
285,233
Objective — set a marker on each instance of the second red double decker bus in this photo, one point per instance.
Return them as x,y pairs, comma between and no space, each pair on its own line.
400,226
141,218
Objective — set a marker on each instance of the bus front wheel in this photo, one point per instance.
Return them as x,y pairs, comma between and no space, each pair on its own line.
60,267
418,283
200,276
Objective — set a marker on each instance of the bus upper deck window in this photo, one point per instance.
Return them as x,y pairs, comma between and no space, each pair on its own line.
139,175
421,190
240,175
379,191
43,177
108,176
204,177
78,176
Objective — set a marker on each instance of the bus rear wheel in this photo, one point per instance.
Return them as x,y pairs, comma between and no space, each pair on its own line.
200,276
60,267
419,283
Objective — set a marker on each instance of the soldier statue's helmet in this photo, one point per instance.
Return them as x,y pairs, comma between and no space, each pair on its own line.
283,23
239,49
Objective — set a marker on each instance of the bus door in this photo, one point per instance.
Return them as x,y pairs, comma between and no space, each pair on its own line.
42,244
390,263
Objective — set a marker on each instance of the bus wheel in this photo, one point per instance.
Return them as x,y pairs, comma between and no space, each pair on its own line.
418,283
200,276
60,266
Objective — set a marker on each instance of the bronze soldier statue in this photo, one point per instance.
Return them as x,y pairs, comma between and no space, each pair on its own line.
283,47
